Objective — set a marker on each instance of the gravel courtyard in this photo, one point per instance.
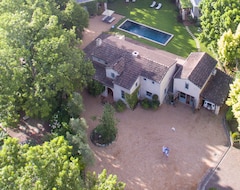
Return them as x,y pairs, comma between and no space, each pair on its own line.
136,156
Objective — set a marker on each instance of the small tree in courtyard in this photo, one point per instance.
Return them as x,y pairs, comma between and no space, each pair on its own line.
106,131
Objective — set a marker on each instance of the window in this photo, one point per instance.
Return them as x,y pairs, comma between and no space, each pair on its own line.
152,82
149,94
144,79
165,91
186,85
136,84
112,75
182,95
123,94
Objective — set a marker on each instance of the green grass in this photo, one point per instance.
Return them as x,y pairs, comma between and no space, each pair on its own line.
164,19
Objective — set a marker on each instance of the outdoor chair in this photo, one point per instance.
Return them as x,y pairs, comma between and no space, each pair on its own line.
159,6
111,20
104,18
153,4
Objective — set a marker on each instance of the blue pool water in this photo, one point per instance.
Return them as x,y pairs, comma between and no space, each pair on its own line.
146,32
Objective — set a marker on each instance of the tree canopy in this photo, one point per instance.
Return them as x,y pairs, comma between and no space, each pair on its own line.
218,17
49,166
229,49
234,98
39,58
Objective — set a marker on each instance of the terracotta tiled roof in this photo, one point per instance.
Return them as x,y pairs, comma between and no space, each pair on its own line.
100,75
197,68
217,88
150,63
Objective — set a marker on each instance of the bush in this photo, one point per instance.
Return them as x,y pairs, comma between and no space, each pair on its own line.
145,103
155,104
235,136
91,8
150,104
120,106
155,97
95,88
106,131
229,114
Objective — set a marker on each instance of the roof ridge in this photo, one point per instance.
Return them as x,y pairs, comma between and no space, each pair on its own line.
155,61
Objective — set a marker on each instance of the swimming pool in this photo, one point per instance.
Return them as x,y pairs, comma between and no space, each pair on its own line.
146,32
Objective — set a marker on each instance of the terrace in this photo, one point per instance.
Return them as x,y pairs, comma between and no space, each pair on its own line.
164,19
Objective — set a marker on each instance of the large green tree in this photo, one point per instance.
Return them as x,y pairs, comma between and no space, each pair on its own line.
49,166
40,62
234,98
229,49
217,17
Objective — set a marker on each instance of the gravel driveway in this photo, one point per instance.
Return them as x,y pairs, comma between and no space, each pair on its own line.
136,156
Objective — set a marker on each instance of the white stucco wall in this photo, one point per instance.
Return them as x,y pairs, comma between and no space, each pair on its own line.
117,93
193,90
109,73
165,83
150,86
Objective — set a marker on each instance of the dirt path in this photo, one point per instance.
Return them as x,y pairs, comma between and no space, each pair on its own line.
136,155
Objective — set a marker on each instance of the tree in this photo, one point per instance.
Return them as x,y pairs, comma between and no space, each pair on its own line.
103,181
95,88
229,49
107,127
41,62
77,138
218,17
74,16
234,98
75,105
49,166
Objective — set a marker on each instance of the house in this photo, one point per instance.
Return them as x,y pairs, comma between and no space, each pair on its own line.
124,66
189,7
200,84
195,12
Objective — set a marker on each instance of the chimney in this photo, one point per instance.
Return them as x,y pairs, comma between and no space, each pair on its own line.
98,42
135,53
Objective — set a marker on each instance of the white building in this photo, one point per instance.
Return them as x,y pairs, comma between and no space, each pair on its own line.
124,65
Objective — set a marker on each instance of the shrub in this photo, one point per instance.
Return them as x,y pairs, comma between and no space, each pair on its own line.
155,104
91,7
229,114
132,99
120,106
106,130
155,97
235,136
95,88
145,103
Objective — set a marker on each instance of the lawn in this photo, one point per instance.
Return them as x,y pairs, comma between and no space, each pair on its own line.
163,19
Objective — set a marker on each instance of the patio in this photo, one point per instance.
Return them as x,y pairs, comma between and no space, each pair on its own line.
136,157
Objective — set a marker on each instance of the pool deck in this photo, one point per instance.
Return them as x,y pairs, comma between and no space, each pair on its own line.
96,27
